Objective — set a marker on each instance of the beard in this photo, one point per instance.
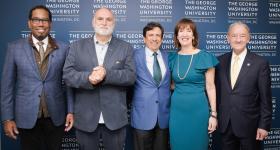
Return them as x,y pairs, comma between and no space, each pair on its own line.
104,32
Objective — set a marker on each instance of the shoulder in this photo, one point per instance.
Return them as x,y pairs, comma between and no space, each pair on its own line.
138,51
117,41
206,60
61,44
256,58
172,55
21,41
224,56
206,56
82,41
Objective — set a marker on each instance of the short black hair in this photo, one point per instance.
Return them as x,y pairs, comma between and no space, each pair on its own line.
40,7
151,26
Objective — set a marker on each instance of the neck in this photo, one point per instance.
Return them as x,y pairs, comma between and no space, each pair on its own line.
102,38
188,49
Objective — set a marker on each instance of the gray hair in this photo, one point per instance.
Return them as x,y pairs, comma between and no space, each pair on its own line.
239,23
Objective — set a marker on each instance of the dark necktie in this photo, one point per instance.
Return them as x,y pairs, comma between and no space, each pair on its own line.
156,69
41,50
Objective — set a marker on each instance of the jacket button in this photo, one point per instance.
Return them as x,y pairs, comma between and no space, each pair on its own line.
156,101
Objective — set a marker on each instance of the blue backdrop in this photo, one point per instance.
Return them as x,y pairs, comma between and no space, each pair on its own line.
72,21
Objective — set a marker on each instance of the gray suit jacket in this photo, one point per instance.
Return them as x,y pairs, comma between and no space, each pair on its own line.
108,97
21,85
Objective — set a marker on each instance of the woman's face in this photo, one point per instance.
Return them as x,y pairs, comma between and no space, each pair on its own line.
185,36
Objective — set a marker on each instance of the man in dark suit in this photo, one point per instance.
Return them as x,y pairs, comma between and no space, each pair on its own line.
244,93
151,99
100,69
33,102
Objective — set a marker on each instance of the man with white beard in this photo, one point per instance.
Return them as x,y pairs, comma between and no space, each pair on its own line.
100,69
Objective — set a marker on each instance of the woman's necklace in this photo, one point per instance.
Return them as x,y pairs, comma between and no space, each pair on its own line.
178,66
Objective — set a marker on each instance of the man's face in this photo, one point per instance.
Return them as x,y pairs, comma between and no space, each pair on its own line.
153,39
103,22
238,37
40,24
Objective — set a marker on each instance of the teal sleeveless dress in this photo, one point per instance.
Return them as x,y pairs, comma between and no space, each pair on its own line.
189,112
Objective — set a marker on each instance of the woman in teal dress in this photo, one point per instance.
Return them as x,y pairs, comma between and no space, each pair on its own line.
193,103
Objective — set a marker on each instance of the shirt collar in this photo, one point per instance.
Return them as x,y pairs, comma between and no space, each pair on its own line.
149,52
242,55
35,41
97,42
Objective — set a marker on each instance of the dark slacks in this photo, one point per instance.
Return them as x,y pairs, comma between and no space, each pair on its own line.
44,135
155,139
231,142
111,139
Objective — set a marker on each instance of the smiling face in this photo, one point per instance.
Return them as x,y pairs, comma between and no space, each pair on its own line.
103,22
185,36
238,37
39,24
153,39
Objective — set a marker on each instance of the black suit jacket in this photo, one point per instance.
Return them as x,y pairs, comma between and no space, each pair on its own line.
248,105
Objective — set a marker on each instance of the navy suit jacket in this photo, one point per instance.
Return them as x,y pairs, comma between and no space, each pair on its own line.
108,97
248,105
151,102
21,85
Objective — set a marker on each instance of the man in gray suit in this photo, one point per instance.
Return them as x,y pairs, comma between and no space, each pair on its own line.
33,103
99,69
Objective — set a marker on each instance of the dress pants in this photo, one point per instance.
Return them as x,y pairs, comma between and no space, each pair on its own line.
43,136
155,139
111,139
231,142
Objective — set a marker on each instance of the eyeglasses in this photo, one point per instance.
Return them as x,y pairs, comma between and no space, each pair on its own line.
37,20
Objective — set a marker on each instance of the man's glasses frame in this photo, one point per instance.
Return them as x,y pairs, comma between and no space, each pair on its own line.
38,20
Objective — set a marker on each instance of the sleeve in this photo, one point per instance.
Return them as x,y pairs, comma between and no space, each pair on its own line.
72,77
264,86
206,60
8,85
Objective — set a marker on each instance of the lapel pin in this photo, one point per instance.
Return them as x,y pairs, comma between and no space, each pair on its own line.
248,64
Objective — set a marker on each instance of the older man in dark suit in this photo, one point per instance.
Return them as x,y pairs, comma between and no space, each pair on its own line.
244,93
33,102
100,69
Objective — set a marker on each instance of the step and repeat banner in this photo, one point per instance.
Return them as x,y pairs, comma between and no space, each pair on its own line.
72,21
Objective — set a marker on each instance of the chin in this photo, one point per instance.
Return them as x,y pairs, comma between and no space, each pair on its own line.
41,37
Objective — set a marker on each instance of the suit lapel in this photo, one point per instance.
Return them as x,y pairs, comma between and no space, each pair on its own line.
92,52
109,52
227,73
245,68
31,57
144,64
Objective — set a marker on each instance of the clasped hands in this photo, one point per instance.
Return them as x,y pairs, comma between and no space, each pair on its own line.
97,75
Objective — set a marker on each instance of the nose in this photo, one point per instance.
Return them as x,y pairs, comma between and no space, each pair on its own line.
238,38
104,22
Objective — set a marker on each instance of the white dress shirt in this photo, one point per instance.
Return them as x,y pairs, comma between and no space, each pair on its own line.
101,50
150,61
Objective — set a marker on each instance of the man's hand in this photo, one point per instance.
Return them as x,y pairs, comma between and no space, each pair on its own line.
10,129
97,75
69,122
261,134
